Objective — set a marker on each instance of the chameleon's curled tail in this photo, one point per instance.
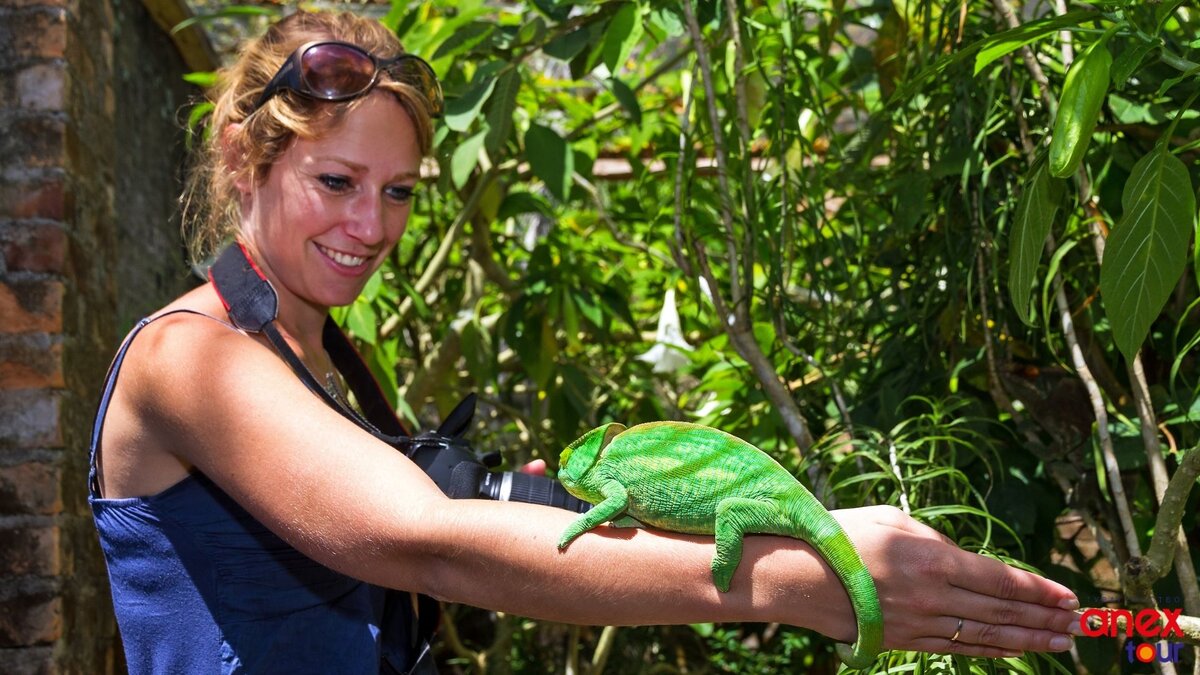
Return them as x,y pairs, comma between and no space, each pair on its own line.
844,560
827,536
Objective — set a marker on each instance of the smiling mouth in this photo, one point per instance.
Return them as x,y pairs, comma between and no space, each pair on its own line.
342,258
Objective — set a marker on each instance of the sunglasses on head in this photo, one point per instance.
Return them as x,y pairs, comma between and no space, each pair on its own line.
338,71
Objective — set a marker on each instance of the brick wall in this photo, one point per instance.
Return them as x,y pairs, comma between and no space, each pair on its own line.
90,152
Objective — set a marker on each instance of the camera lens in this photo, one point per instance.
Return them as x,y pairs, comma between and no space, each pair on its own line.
521,487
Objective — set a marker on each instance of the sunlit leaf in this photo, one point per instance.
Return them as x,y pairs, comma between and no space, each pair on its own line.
205,79
361,321
463,110
623,34
1002,44
465,159
1147,250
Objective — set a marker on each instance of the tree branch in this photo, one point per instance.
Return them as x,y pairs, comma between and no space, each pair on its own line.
603,649
1163,546
735,317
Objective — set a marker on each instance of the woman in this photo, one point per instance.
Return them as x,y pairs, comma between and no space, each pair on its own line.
247,524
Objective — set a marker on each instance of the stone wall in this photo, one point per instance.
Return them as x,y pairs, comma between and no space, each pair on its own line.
90,154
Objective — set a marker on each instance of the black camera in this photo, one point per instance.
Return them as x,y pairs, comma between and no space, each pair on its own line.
449,460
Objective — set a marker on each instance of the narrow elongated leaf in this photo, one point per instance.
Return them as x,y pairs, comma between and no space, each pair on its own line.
1002,44
1035,213
551,159
202,78
623,33
500,114
628,100
1147,249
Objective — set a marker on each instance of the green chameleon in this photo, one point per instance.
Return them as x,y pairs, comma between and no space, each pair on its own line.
698,480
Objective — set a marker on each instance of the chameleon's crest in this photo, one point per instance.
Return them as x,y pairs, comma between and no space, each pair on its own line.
579,456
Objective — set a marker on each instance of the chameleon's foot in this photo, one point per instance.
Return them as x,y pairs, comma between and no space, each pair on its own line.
854,657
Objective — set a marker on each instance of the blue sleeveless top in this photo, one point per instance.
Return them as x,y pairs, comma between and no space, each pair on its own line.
200,586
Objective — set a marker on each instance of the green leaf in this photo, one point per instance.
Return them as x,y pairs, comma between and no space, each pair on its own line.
623,34
1146,251
463,39
374,285
466,157
479,352
202,78
551,159
568,46
588,307
382,362
1052,269
1002,44
516,203
1035,213
558,10
500,113
195,122
463,110
532,337
627,99
671,21
1164,11
1128,62
361,321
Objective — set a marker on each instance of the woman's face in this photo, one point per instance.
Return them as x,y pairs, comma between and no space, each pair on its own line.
332,207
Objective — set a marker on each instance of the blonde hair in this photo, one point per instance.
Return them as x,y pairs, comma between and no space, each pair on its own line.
210,201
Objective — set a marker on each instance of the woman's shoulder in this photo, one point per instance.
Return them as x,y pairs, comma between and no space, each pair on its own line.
164,357
184,342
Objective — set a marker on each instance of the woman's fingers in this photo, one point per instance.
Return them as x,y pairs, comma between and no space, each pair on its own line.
993,578
535,468
991,610
1013,637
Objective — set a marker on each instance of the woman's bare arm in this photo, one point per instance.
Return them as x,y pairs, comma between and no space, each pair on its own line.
230,407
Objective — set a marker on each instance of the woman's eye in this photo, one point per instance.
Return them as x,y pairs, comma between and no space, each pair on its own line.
401,193
334,182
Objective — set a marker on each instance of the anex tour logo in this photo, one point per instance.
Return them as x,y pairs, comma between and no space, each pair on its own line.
1149,624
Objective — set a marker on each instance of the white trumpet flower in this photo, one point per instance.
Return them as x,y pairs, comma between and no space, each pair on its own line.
668,353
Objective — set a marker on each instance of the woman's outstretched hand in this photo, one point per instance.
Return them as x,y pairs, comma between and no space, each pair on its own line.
937,597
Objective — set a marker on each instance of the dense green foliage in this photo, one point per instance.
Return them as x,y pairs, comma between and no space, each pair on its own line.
878,279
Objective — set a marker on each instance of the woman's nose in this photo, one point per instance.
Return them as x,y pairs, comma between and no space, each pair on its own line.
366,219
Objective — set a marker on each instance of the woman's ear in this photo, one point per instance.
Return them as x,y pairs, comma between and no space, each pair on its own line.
233,157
